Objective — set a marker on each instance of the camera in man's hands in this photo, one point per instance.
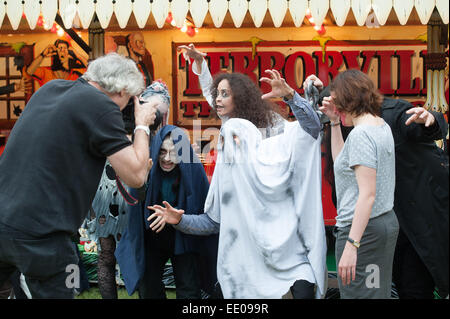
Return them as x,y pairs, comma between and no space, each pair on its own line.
128,117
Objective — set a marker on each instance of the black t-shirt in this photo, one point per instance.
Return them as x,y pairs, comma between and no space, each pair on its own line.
55,155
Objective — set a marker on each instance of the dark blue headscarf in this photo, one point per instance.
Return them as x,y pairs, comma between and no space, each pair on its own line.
192,192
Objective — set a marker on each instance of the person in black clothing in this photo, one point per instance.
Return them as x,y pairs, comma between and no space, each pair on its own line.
108,218
177,177
161,244
52,164
421,196
12,287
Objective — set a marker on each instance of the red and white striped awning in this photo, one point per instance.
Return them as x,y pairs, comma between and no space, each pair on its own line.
82,11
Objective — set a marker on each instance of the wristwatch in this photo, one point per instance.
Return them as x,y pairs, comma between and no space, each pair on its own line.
335,123
354,242
142,127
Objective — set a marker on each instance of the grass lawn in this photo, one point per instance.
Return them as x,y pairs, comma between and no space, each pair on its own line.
94,293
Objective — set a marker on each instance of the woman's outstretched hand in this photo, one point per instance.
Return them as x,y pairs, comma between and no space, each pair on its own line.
420,116
279,86
164,215
191,52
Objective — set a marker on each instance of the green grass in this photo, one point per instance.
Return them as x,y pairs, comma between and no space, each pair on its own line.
94,293
331,261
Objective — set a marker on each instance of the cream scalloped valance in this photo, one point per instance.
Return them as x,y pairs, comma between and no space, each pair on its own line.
83,11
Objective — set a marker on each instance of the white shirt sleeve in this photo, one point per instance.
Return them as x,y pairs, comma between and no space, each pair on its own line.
206,81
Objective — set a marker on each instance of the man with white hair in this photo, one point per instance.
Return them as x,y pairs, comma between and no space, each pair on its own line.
53,162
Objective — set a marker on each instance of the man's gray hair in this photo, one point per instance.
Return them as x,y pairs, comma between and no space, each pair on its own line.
114,73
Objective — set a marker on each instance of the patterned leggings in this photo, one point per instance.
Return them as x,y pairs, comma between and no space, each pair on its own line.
106,268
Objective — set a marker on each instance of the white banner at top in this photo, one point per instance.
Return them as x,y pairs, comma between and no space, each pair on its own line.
30,10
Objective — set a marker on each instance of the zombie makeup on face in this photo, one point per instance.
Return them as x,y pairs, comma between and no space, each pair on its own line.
224,99
167,155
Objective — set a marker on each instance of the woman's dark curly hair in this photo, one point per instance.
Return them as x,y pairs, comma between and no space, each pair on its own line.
356,94
247,99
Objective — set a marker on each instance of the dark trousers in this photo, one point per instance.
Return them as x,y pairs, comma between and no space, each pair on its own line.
12,289
17,287
303,289
6,290
42,260
410,275
185,273
158,250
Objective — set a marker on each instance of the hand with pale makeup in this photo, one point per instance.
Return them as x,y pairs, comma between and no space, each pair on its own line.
191,52
158,223
420,116
164,215
316,82
279,86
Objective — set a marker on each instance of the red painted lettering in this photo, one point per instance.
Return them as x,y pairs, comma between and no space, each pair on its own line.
205,109
243,63
351,59
404,74
192,84
323,69
188,108
218,61
291,74
269,60
384,75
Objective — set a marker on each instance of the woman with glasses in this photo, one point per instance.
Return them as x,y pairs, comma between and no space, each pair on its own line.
267,180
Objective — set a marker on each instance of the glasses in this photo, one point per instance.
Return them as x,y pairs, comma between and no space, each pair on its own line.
224,93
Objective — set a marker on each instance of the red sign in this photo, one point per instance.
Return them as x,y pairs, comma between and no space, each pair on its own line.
396,67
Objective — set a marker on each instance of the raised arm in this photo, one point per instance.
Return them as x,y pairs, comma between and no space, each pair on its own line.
133,162
430,126
337,140
200,68
50,50
304,113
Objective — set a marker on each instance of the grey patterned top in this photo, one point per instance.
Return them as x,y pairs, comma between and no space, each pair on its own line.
109,215
370,146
